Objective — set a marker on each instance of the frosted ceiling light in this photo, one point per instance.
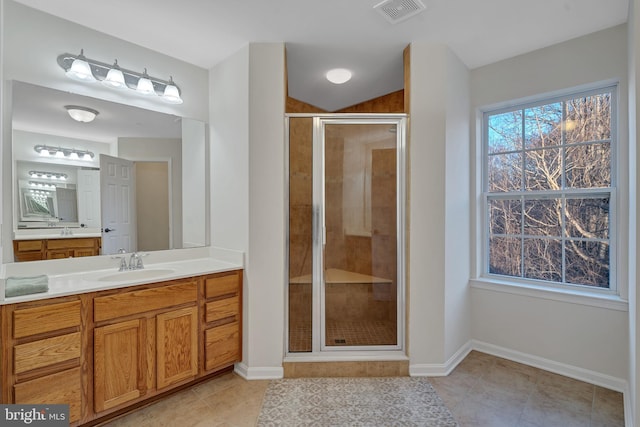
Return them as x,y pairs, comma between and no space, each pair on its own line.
115,78
81,114
80,69
339,75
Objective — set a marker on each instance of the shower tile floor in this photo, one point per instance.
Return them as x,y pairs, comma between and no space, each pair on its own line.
341,333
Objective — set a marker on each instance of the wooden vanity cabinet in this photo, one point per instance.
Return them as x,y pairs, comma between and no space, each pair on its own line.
109,351
34,250
149,342
223,320
42,353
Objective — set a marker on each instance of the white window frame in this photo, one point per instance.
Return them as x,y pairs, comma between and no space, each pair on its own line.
611,191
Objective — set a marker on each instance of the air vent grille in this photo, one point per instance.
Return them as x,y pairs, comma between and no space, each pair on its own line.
396,11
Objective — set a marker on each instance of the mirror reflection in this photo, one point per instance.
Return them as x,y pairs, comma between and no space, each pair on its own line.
61,183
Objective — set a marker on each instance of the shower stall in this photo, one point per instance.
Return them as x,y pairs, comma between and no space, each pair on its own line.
346,233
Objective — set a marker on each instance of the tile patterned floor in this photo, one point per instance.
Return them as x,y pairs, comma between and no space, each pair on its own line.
483,391
375,332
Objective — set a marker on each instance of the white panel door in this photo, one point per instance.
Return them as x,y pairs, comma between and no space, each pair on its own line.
89,197
118,190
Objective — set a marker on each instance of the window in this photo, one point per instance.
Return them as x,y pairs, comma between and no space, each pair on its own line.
549,190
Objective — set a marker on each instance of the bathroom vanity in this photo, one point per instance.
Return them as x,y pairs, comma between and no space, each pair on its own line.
55,248
106,342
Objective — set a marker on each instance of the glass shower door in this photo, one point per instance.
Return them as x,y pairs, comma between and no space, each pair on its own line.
345,239
360,290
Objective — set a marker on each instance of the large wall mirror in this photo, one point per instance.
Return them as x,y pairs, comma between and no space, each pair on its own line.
59,183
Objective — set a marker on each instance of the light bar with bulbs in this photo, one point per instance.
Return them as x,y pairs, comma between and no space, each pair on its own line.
49,175
62,152
81,68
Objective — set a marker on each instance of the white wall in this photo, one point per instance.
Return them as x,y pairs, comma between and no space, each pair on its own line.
248,184
35,39
194,198
589,338
438,208
633,399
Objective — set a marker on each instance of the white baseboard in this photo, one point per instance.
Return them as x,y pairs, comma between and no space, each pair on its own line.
259,373
574,372
440,369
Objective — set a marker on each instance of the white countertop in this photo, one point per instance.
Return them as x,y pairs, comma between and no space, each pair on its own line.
80,275
55,233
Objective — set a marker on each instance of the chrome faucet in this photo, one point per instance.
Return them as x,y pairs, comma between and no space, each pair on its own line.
135,261
123,259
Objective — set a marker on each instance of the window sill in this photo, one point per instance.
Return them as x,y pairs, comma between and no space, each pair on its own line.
594,299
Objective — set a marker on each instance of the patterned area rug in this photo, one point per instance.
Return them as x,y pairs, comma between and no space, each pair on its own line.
324,402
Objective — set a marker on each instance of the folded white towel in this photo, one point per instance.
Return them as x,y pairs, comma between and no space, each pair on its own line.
17,286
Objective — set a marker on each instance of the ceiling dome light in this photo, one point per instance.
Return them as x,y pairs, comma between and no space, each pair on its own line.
339,75
81,114
80,69
145,86
115,78
171,93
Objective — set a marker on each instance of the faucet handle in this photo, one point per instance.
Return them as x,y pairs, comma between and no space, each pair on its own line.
123,262
139,264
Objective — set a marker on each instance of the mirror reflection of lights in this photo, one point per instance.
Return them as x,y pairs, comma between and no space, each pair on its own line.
63,152
41,184
48,175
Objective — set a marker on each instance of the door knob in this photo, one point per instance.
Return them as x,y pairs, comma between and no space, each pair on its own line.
107,230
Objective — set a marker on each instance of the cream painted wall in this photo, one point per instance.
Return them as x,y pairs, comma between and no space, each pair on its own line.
438,208
248,183
585,337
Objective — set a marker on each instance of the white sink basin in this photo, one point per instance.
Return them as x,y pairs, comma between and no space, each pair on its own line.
136,275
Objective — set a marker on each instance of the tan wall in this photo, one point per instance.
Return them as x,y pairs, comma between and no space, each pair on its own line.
152,204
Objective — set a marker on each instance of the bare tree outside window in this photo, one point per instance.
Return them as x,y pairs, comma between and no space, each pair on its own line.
548,190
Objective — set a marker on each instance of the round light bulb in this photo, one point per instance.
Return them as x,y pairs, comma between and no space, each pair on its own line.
339,76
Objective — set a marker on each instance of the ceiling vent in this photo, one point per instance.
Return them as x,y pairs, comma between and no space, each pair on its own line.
396,11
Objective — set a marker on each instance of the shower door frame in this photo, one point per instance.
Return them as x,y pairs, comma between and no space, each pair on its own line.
319,348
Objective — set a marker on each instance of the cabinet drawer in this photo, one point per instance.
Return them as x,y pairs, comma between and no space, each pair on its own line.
47,352
37,320
223,308
222,346
135,302
225,284
28,245
60,388
71,243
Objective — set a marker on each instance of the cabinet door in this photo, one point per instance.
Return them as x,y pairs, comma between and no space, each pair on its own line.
84,252
222,346
63,387
177,346
119,363
59,253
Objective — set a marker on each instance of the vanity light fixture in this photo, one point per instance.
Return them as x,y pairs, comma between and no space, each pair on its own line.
79,67
48,175
81,114
71,153
115,77
41,184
